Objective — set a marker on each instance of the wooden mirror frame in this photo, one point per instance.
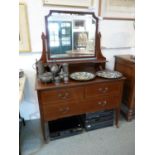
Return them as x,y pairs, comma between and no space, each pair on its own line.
98,57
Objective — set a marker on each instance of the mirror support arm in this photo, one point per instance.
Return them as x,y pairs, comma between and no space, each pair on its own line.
43,58
99,54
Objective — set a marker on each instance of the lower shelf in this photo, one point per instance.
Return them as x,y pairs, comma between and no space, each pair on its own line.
65,127
77,124
99,120
98,125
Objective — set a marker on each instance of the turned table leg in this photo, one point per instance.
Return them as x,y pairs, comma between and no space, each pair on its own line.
45,131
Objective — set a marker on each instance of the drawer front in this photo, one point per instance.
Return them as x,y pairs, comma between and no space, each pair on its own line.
103,89
102,103
62,95
52,112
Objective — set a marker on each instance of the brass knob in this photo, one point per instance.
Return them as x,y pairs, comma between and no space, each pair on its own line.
60,95
105,102
99,103
106,88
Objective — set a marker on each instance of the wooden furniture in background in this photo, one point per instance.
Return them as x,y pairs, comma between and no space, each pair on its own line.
126,65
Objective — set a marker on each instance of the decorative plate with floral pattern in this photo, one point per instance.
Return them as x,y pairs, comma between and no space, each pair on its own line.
109,74
82,76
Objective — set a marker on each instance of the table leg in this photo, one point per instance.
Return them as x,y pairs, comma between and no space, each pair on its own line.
46,133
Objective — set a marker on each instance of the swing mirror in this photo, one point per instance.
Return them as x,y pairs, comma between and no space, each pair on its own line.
71,35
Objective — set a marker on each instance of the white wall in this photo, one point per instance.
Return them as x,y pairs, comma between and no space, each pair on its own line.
36,12
29,106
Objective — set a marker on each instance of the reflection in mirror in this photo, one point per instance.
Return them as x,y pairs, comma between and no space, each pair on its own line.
71,35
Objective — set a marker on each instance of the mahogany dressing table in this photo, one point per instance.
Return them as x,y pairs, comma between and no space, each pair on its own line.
75,97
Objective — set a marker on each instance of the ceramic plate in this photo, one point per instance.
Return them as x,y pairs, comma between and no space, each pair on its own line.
109,74
82,76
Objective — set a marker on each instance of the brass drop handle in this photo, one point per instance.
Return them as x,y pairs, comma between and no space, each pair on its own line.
103,90
64,110
63,96
103,103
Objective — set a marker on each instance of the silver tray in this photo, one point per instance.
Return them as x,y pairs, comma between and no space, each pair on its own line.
109,74
82,76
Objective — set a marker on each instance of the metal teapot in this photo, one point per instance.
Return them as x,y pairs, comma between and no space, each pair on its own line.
54,68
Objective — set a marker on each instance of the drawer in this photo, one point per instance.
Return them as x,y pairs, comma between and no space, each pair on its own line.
102,103
52,112
103,89
62,95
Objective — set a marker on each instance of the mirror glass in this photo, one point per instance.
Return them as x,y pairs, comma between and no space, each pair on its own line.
71,35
